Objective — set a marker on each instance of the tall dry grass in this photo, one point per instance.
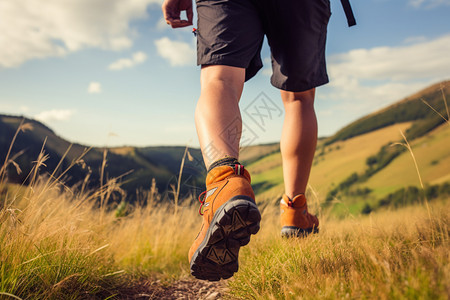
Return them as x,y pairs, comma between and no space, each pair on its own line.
401,254
58,242
387,255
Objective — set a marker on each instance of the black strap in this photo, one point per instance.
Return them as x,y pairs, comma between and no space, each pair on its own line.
348,12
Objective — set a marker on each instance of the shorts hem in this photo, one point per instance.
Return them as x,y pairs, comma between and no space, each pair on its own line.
250,70
299,88
224,61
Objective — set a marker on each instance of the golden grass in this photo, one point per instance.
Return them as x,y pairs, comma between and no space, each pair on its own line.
388,255
58,242
62,243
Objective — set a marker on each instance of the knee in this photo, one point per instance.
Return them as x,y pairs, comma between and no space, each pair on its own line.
223,78
305,98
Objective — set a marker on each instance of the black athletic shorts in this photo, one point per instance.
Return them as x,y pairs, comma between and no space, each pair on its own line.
231,32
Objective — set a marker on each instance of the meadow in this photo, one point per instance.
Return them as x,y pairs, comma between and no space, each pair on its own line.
76,242
58,242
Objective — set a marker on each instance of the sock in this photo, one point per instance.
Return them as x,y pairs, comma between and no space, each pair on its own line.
227,161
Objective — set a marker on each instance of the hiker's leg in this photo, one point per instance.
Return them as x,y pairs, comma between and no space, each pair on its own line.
298,140
217,116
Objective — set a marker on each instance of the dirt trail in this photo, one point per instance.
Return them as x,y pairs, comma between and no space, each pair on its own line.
182,289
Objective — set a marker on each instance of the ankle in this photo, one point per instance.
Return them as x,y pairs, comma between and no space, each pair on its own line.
299,200
226,161
292,196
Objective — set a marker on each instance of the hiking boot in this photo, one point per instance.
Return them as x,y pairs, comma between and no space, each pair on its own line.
296,221
230,217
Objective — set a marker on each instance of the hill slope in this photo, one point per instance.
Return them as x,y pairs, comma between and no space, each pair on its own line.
161,163
145,163
360,164
411,108
353,165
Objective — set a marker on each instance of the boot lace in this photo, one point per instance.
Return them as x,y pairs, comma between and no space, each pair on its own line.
201,199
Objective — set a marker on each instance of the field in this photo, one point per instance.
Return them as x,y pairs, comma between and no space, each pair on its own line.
59,244
78,242
336,162
433,159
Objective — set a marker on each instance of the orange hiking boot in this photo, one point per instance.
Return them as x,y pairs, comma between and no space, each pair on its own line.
296,221
230,217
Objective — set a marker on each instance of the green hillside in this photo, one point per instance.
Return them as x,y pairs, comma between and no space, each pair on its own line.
357,167
140,164
361,166
433,159
410,109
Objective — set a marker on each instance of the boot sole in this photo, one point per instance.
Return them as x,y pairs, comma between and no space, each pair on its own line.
295,232
231,227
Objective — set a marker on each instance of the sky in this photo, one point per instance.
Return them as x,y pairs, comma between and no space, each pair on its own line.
112,73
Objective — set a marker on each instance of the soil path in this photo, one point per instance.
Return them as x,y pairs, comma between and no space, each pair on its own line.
182,289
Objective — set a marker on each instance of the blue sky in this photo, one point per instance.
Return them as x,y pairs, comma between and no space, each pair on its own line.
111,72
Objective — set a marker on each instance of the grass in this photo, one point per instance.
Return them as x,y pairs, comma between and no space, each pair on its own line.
344,158
59,245
58,242
401,254
389,255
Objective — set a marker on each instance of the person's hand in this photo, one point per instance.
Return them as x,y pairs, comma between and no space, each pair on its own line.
172,10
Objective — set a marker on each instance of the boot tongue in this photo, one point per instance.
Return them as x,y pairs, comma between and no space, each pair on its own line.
297,201
222,172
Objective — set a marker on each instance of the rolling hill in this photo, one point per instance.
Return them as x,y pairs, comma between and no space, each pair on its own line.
140,164
359,166
367,162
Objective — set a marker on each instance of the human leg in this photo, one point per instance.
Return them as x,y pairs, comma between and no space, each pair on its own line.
298,144
297,42
298,140
230,215
217,116
229,37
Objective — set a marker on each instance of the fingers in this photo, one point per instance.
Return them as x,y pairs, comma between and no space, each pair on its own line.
172,11
177,23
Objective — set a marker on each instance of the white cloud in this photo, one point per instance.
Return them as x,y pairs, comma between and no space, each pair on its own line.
38,29
55,115
364,80
428,3
177,53
94,88
425,60
389,72
137,58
